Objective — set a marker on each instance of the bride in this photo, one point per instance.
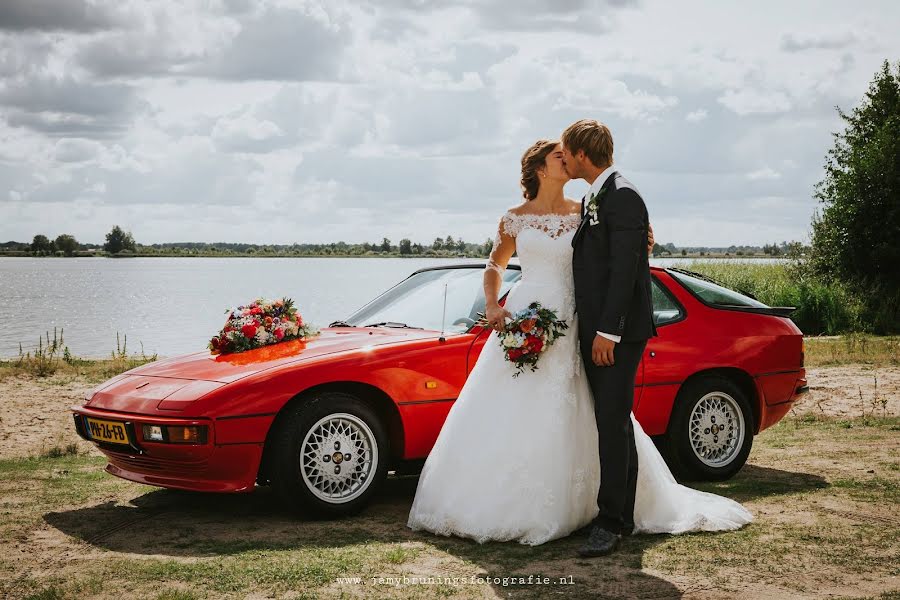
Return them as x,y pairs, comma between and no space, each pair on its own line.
517,458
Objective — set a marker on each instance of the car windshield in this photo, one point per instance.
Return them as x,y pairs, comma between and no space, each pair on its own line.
714,294
418,301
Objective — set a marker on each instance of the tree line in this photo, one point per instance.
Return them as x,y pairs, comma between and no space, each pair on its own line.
117,241
121,243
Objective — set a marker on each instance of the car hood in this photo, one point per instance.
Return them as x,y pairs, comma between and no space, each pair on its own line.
225,368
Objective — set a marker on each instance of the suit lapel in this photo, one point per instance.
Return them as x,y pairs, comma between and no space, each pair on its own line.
584,215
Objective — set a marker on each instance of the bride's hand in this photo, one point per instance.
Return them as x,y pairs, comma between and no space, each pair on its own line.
496,317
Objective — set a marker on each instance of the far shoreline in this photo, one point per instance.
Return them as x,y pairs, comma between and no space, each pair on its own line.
385,255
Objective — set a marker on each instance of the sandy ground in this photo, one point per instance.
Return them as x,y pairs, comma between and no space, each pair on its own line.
35,415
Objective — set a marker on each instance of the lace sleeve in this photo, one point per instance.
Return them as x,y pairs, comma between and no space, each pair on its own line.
504,244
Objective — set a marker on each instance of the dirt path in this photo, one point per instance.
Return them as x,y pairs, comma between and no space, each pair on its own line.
35,415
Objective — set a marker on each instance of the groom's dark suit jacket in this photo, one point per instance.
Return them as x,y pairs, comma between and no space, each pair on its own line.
611,267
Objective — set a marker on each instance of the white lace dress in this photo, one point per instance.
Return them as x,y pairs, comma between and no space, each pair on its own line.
517,459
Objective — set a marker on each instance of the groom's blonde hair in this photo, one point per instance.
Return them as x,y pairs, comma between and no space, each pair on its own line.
591,136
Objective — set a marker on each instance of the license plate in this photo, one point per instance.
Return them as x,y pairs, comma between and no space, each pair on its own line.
112,432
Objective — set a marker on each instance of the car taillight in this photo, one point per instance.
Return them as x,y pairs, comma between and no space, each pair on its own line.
802,352
175,434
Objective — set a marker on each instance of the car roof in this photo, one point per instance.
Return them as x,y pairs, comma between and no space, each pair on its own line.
512,266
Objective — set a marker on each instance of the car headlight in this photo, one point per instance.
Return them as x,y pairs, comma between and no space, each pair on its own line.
175,434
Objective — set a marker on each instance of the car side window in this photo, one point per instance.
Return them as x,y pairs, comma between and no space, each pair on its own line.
665,309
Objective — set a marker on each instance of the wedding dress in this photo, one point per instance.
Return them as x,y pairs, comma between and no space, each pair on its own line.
517,458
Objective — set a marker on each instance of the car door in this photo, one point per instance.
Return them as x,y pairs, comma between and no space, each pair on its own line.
659,371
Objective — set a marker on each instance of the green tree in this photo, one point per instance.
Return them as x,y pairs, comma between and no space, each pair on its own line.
405,246
657,250
437,244
66,243
41,244
118,240
854,235
385,245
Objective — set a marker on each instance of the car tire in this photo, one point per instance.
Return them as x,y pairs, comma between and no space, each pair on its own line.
710,432
329,455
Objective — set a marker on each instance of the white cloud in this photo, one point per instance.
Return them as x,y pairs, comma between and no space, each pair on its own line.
749,101
764,173
196,119
696,115
833,40
245,133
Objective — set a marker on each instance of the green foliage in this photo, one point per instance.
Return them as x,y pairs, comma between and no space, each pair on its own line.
822,307
46,358
855,236
118,241
66,243
60,452
41,245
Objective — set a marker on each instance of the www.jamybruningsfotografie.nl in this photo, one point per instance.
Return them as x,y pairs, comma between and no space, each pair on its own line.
504,581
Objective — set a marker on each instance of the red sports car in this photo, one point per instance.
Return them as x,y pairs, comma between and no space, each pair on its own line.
324,421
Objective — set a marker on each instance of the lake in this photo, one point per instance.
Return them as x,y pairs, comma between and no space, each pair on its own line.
174,305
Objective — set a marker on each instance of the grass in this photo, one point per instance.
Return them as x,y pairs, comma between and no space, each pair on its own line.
852,349
824,522
53,357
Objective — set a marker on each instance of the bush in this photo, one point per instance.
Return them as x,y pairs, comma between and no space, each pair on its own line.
822,308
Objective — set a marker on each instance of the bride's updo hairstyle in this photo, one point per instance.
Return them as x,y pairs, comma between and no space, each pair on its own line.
533,159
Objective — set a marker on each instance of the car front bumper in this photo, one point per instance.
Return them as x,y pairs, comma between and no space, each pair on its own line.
204,467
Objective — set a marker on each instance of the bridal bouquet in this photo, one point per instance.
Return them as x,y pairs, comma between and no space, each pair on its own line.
531,331
260,323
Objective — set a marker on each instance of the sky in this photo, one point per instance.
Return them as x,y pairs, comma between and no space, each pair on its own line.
269,121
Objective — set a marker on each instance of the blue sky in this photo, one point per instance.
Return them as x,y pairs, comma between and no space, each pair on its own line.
282,122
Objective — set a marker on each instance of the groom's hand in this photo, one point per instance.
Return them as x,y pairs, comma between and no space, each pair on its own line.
650,239
602,351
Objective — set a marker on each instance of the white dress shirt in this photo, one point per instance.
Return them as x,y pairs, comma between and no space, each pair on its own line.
595,187
601,179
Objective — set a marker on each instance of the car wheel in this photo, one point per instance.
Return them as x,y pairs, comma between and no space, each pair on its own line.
329,455
711,430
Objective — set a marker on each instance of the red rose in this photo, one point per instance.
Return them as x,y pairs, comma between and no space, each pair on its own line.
515,353
299,321
249,330
279,333
538,344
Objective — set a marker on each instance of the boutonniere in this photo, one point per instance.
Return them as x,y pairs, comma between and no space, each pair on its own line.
591,207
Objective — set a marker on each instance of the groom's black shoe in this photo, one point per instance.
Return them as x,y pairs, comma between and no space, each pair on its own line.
600,543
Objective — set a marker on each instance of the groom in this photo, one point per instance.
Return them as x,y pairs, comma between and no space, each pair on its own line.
615,317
